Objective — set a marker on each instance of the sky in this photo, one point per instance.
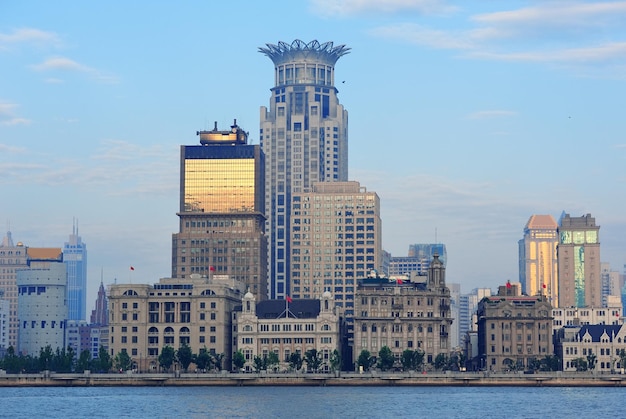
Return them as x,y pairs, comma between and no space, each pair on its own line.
466,117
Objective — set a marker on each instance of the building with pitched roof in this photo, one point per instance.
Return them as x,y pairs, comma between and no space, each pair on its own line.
597,345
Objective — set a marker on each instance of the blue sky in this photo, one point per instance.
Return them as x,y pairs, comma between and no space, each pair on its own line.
466,117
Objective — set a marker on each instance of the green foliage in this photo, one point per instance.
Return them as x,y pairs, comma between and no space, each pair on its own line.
591,360
122,361
46,358
218,360
335,360
550,363
203,359
259,363
412,360
313,360
441,362
84,361
580,364
167,357
295,361
272,361
103,363
239,360
385,359
365,360
184,356
622,358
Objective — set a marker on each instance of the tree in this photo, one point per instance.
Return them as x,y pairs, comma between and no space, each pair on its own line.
365,360
239,360
385,359
259,363
335,360
103,363
203,359
63,360
550,363
313,359
412,360
622,358
295,361
591,360
45,358
184,356
218,359
12,363
83,361
166,358
122,361
441,361
580,364
272,360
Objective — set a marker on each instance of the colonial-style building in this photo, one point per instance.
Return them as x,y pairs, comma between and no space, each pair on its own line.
195,311
286,327
596,344
402,314
514,331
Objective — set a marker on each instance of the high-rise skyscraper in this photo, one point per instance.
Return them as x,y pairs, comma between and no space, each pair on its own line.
580,281
426,251
12,258
75,259
304,135
222,210
538,267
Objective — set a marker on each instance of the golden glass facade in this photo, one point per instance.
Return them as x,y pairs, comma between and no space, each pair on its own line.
219,185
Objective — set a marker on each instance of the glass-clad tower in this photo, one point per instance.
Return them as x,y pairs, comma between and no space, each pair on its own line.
304,135
222,206
75,259
579,266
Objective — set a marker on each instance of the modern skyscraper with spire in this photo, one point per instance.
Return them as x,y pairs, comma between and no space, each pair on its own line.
304,134
538,264
75,259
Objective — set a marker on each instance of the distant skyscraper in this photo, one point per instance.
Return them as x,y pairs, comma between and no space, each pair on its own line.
42,304
426,251
335,240
304,135
455,297
12,258
222,207
4,323
538,267
75,259
610,283
100,314
580,282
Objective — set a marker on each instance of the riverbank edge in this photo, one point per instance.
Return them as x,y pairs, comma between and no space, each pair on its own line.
555,379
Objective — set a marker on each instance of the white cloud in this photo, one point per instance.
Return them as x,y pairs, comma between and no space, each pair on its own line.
28,36
8,116
421,35
5,148
333,8
67,64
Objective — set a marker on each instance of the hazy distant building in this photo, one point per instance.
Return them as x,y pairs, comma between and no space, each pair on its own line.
304,134
610,283
514,332
12,258
538,267
286,328
426,251
580,316
468,303
75,259
455,297
579,265
100,314
78,336
222,206
193,311
42,304
403,315
4,323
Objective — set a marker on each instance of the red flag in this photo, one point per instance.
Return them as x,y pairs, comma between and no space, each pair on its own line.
289,300
398,281
212,268
508,284
132,268
544,285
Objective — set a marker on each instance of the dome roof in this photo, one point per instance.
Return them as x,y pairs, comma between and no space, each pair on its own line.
249,296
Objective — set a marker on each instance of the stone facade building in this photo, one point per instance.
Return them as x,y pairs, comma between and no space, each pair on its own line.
286,327
176,311
513,331
598,344
403,315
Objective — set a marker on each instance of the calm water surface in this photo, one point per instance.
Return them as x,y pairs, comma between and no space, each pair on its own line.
312,402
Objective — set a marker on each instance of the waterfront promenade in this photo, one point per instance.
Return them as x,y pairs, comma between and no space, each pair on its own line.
375,378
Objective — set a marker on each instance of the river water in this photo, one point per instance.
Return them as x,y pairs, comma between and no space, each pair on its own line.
312,402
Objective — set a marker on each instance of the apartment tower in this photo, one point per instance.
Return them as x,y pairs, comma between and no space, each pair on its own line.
538,267
222,210
304,134
580,282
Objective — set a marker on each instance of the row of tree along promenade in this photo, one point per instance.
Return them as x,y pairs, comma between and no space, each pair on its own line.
337,378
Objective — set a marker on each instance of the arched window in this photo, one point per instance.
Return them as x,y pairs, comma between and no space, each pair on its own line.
153,330
169,331
247,328
184,329
327,327
130,292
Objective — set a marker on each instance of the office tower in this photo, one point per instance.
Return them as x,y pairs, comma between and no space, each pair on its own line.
12,258
335,240
426,251
468,303
42,305
304,135
4,323
222,207
100,314
538,267
579,273
455,296
610,282
75,259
